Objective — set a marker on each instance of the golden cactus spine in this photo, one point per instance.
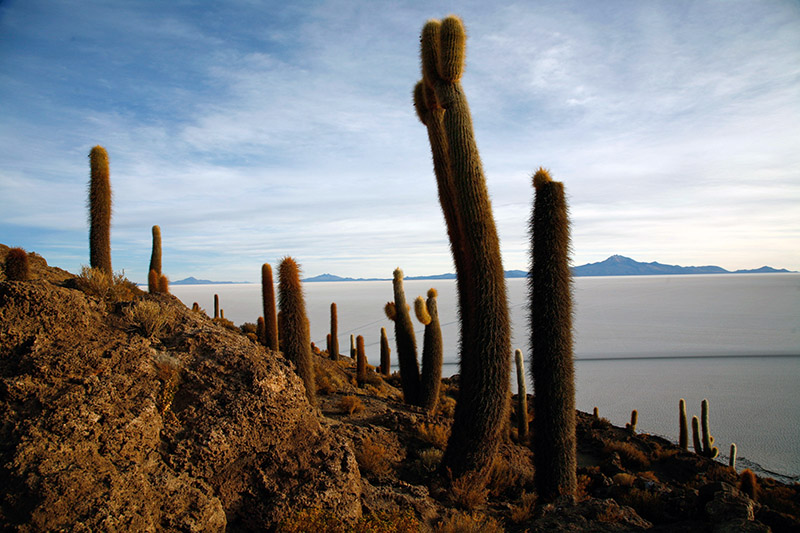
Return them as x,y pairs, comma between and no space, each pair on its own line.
268,303
522,398
683,435
17,266
406,343
552,366
155,259
295,335
334,347
431,376
361,362
386,361
485,358
99,211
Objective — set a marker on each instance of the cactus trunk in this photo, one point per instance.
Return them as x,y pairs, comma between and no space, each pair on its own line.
155,259
431,378
485,344
522,398
552,367
386,362
683,436
268,302
406,343
295,336
698,448
99,211
361,362
216,306
334,348
709,450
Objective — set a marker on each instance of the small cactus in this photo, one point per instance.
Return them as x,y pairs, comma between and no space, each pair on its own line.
522,398
155,261
361,362
634,419
17,266
260,329
596,412
196,307
295,336
732,457
334,348
432,352
406,343
99,211
216,306
268,303
152,281
683,437
709,450
698,448
748,484
353,350
386,362
163,284
328,343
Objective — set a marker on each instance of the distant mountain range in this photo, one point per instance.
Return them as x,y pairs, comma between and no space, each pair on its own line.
616,265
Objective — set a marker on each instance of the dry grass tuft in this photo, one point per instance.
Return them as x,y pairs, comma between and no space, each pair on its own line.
429,460
325,521
324,385
648,505
469,491
469,523
582,488
112,288
446,406
630,454
523,509
624,480
148,317
351,404
434,434
373,459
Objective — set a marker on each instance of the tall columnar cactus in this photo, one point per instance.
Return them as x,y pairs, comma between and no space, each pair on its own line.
683,435
99,211
522,398
17,267
431,377
352,346
698,448
552,366
155,260
328,343
260,329
732,456
295,335
216,306
361,362
334,349
406,342
268,302
485,359
386,361
709,450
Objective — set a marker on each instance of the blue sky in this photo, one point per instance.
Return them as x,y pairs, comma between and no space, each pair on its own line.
253,130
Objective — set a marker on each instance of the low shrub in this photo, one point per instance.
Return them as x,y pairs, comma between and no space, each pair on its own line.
428,461
351,404
148,317
648,505
373,459
434,434
630,454
523,509
111,288
469,523
469,491
325,521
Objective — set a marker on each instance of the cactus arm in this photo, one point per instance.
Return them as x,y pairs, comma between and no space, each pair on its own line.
431,378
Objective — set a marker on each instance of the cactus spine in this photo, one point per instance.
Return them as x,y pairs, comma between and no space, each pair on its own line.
683,436
99,211
709,450
155,261
634,420
552,367
361,362
334,348
406,343
732,457
268,302
485,358
295,335
431,377
698,448
386,362
216,306
17,266
522,398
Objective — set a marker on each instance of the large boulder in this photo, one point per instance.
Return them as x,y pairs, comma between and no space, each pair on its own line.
192,428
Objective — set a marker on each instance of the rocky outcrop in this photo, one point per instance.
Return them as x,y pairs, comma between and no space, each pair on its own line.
194,428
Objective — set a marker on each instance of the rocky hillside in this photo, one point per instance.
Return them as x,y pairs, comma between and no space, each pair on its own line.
121,410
